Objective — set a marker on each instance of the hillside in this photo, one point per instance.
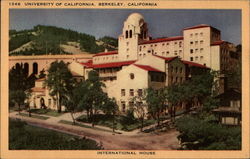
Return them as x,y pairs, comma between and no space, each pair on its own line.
43,40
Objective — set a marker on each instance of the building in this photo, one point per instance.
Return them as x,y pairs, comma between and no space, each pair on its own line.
142,62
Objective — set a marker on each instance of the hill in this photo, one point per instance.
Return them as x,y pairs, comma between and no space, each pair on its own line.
54,40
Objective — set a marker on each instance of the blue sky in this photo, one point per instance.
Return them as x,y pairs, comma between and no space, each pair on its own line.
100,22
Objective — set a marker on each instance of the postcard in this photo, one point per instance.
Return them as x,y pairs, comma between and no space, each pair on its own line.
124,79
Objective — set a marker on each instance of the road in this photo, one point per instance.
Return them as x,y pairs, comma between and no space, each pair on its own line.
125,141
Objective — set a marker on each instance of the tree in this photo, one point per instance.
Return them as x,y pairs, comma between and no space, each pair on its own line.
59,81
110,108
19,85
173,96
95,96
139,108
156,103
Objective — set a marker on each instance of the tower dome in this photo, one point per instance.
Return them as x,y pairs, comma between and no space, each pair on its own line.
135,19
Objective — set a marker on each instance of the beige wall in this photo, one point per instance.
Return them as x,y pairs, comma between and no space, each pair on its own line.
197,40
166,49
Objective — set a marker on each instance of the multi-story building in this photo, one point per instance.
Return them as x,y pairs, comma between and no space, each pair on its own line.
142,62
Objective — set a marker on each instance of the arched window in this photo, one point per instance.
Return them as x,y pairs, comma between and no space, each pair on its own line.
132,76
130,33
18,66
126,34
26,68
35,68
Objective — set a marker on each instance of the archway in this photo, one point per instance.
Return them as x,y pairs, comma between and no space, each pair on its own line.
42,104
35,68
18,66
26,68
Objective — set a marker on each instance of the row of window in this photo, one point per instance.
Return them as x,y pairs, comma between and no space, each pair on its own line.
157,78
196,50
176,69
196,34
131,92
128,34
176,79
106,58
163,44
196,42
196,58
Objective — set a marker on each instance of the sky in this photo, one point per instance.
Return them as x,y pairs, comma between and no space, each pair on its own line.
109,22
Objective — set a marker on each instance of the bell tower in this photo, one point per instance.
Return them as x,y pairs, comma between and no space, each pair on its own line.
134,31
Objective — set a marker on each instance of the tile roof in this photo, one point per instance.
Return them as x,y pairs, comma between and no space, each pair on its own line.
193,64
166,58
88,64
38,89
218,42
201,26
106,53
162,40
197,26
113,64
147,68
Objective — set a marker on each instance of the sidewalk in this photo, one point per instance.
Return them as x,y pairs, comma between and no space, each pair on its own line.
67,117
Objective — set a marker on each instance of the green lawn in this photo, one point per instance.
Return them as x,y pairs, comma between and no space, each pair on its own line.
48,112
34,116
25,137
122,122
84,125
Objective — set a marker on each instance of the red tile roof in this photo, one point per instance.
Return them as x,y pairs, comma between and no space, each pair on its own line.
218,42
147,68
197,26
106,53
201,26
166,58
193,64
88,64
113,64
37,89
162,40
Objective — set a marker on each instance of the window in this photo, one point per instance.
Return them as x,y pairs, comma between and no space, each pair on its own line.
149,51
175,52
130,33
201,50
180,43
201,57
131,92
191,58
175,43
196,42
196,50
123,92
191,42
196,58
191,35
127,56
139,92
201,34
176,69
140,48
163,44
126,34
132,76
196,34
123,106
155,44
167,43
176,79
167,52
201,42
180,51
191,51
